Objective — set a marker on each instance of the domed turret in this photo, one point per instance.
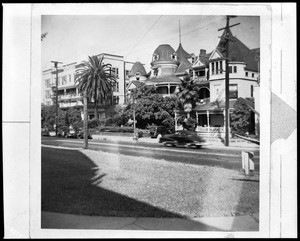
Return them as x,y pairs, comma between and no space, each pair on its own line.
164,53
137,69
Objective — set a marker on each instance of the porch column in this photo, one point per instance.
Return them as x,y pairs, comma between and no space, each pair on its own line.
207,115
176,117
197,120
224,132
76,91
169,92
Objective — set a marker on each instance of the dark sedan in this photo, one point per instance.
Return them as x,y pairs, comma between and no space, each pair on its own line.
182,139
81,135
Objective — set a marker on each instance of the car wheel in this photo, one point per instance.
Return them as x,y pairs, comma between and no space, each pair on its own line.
167,144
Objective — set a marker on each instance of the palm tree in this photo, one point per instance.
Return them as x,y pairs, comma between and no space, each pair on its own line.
188,93
96,80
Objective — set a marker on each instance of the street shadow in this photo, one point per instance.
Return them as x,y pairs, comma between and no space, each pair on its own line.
69,181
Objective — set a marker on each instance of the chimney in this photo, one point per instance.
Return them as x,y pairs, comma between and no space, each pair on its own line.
202,52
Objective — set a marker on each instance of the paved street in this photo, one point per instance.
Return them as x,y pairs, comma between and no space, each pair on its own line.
208,155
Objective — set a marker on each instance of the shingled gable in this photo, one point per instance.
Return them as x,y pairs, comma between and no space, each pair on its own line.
238,52
202,61
216,54
133,84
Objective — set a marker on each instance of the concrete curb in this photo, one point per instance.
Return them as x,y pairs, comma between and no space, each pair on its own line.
51,220
209,144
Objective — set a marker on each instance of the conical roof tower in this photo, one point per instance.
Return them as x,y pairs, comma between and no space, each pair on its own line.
238,51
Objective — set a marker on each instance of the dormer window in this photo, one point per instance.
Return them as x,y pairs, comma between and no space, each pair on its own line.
137,73
155,57
174,56
155,72
193,59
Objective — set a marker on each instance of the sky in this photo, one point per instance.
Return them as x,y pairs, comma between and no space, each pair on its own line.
72,38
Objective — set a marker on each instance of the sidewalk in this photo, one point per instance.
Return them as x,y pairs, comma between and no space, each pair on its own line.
209,144
52,220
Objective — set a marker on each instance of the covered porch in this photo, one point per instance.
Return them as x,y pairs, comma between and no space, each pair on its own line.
211,118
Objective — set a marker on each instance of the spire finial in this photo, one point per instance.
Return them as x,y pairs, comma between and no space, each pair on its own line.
179,33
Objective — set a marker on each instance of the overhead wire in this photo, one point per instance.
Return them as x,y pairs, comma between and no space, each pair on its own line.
144,35
187,33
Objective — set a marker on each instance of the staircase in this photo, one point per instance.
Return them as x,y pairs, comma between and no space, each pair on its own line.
214,136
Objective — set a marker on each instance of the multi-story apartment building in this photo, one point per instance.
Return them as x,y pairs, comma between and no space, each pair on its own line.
68,94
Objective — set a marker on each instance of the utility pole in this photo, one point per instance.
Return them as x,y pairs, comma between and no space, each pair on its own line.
56,95
85,120
226,37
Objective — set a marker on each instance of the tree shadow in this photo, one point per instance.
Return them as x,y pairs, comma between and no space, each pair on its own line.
69,186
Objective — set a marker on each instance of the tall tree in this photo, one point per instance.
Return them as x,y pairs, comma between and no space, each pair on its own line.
152,108
97,79
48,114
188,93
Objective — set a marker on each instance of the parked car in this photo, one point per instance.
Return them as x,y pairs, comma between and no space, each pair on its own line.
154,131
80,135
71,133
45,132
61,133
182,138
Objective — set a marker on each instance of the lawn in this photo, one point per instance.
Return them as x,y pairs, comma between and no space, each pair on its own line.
97,183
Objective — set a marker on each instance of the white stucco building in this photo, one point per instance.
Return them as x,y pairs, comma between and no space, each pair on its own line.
68,94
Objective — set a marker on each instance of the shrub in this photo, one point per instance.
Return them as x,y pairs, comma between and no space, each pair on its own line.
240,118
115,129
188,123
93,123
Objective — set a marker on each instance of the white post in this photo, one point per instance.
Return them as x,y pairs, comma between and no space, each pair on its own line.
247,162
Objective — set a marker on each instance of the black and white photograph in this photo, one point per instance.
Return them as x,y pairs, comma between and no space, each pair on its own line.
156,120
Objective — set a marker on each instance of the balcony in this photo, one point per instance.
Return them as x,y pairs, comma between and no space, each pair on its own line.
200,79
69,97
203,101
69,85
70,104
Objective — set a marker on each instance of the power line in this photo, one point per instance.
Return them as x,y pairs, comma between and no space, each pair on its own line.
143,36
187,26
192,31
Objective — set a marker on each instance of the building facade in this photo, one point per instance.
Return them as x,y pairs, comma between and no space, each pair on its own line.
68,94
168,67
